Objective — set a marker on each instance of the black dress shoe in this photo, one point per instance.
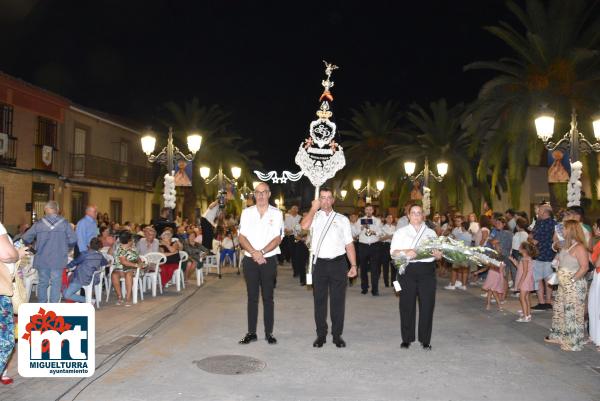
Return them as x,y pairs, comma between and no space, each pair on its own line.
339,342
375,294
364,291
319,342
270,339
248,338
427,347
404,345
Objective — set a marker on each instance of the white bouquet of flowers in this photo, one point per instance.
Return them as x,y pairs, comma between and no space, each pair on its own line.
452,250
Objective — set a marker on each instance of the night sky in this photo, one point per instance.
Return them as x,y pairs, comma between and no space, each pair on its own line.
260,61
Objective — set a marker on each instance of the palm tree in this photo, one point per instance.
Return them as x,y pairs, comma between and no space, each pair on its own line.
555,60
373,127
437,134
220,145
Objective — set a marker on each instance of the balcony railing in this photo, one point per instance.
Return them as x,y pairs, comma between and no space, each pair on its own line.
103,169
9,158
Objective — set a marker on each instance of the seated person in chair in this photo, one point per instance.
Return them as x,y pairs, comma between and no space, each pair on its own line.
196,252
127,261
84,267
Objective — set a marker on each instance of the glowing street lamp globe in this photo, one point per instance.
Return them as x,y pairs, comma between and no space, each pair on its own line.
204,172
194,141
380,185
356,184
236,172
544,124
409,167
148,143
442,168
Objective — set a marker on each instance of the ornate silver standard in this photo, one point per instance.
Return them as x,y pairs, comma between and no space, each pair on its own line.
319,156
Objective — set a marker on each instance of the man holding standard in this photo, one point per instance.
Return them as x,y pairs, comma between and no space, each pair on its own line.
331,242
261,230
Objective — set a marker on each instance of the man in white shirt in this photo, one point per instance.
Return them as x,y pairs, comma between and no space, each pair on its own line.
290,221
261,230
369,250
331,243
417,280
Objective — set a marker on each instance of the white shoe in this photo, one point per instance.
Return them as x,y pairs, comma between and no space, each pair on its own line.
450,287
463,287
493,301
458,283
510,284
524,319
483,295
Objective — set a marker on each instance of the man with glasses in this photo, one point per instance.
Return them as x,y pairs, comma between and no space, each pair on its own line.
261,231
331,243
418,279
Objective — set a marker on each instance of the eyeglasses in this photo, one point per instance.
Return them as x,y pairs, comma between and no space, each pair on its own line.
261,193
416,213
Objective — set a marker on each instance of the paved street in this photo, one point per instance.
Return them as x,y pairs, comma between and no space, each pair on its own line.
477,355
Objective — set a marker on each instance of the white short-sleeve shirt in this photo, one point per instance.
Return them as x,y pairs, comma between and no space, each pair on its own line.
404,237
259,231
388,229
335,241
290,222
363,238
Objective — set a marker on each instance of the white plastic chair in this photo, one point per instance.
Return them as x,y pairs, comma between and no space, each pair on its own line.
138,284
153,277
90,288
212,262
199,276
178,275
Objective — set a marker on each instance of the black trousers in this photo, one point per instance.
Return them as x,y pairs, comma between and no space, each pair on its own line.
287,246
370,259
300,260
389,272
330,279
260,277
417,282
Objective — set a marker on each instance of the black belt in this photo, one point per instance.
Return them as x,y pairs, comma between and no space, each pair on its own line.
341,257
374,243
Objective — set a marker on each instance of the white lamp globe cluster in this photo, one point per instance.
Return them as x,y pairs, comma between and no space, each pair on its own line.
169,191
574,185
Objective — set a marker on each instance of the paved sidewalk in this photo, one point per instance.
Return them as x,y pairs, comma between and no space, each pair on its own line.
477,355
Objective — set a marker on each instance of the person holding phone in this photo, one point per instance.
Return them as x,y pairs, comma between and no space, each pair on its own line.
369,249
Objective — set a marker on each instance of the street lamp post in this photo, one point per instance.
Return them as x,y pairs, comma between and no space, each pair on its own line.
221,179
170,154
573,139
442,169
379,185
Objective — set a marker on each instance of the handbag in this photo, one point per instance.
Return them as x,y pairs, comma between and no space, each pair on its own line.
552,279
6,287
19,292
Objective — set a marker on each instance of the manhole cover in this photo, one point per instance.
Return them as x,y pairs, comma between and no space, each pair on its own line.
230,364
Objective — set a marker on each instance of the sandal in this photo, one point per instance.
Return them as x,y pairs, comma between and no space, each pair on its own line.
6,380
551,340
119,302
